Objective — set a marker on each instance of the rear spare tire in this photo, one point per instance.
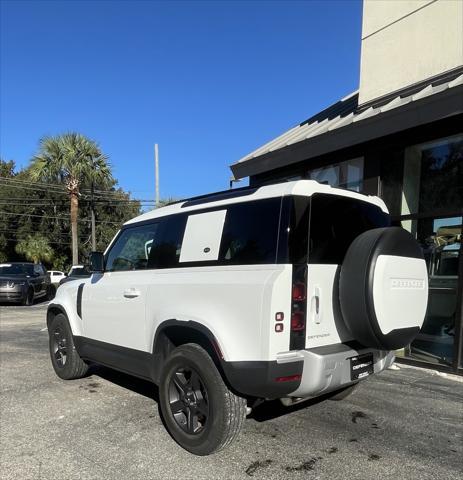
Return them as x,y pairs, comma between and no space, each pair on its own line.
383,288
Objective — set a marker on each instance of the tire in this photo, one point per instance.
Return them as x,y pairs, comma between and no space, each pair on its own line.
383,288
28,300
343,393
216,414
51,292
64,357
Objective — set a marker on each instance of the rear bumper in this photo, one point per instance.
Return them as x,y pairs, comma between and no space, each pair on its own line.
327,369
302,373
263,379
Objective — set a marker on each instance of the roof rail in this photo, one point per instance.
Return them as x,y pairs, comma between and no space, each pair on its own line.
217,196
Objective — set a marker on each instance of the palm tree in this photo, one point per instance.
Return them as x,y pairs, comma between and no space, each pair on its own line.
35,248
74,160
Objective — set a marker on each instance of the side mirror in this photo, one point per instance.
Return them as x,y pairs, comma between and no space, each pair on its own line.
97,262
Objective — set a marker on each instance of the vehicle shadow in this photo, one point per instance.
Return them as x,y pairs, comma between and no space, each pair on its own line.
272,409
137,385
262,412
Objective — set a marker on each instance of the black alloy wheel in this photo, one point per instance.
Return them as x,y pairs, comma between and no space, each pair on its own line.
198,409
59,347
51,292
65,359
188,400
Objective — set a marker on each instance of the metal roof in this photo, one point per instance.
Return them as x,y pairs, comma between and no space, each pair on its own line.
342,114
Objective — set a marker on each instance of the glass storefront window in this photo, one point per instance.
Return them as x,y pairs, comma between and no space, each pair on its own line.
440,240
432,177
348,174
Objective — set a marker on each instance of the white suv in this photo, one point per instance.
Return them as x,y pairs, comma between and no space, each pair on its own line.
286,291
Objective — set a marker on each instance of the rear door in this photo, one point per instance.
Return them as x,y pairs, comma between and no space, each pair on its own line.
335,221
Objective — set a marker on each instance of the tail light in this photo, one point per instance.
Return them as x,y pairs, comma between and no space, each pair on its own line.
299,291
289,378
297,321
298,307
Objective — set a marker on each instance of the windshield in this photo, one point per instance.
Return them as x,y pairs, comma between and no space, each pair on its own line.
79,272
16,269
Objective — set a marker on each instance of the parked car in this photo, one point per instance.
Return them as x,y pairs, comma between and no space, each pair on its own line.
23,283
288,291
77,272
56,276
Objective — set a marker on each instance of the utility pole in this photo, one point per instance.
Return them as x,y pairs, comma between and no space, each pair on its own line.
156,173
92,209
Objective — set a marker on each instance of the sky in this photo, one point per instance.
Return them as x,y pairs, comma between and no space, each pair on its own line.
209,81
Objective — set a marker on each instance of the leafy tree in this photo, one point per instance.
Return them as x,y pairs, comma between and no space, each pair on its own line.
29,208
35,248
70,159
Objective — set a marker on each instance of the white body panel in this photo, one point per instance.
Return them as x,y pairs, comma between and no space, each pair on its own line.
323,327
203,232
233,302
113,308
236,303
66,297
400,292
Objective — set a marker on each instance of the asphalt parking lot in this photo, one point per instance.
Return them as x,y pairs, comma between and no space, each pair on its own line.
405,423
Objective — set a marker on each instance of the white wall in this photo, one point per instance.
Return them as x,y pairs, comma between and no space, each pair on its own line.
407,41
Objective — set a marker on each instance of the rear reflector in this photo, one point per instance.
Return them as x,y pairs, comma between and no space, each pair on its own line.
290,378
297,321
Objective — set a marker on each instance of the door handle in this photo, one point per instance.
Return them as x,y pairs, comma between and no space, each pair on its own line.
131,293
316,305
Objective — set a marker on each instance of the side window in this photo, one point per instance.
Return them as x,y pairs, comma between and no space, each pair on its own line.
335,221
167,245
132,249
250,233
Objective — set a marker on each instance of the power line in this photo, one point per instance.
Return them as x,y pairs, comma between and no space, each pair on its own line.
59,218
110,196
42,203
57,186
45,186
21,231
18,240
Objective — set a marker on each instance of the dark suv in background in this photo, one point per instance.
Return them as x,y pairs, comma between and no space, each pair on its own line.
23,283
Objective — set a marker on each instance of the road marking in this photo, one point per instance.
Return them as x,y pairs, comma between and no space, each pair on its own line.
43,329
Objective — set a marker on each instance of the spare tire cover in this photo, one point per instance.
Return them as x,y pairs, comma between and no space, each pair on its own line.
383,288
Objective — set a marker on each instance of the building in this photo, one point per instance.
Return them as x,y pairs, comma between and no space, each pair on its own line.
400,136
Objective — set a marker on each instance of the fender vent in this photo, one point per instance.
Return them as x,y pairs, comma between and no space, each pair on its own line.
80,289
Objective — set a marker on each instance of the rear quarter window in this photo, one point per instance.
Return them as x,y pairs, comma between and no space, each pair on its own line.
250,233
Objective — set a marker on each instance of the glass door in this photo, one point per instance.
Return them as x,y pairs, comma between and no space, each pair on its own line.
440,240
